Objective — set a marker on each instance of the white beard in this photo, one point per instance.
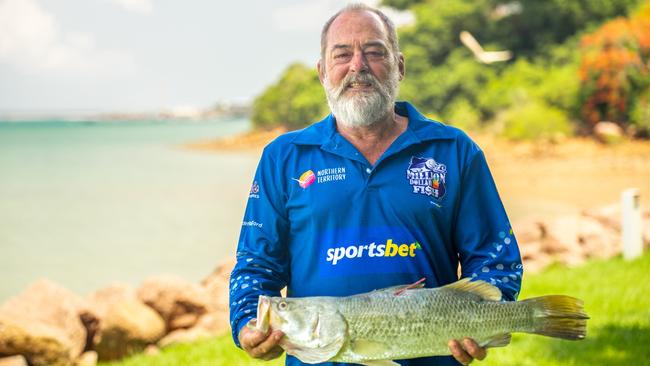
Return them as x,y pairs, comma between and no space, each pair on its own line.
364,108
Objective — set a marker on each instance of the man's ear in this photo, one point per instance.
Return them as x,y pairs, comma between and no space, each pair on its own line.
401,66
321,72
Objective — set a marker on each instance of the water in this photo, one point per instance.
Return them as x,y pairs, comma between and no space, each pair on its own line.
88,204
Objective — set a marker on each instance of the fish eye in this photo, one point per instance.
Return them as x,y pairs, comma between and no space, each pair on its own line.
282,305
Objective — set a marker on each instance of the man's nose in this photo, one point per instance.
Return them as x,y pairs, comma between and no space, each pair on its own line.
359,62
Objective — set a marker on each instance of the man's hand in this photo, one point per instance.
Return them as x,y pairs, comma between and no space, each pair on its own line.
466,351
260,345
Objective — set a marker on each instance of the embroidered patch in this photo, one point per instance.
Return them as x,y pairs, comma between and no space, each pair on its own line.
255,189
427,177
306,179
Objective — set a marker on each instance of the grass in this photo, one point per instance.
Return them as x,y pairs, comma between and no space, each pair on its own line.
616,298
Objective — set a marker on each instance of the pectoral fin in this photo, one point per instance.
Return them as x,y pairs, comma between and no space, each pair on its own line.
498,341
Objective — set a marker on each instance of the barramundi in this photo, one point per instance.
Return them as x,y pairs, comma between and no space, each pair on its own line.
403,322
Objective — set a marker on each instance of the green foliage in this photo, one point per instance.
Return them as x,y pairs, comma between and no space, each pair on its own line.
443,78
296,100
534,121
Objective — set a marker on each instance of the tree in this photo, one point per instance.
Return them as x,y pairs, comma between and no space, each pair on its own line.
294,101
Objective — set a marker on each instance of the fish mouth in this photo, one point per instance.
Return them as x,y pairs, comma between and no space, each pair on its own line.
263,313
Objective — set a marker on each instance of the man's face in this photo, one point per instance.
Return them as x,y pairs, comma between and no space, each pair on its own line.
359,71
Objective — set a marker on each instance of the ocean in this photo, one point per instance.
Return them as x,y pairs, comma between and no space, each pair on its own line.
86,204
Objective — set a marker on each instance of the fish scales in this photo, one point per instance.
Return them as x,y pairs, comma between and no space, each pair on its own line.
421,322
405,322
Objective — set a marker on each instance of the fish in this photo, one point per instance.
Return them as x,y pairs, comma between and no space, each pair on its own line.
410,321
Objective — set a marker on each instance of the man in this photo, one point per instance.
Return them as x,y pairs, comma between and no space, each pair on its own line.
374,195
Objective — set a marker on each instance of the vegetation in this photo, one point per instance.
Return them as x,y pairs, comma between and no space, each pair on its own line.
296,100
614,292
575,61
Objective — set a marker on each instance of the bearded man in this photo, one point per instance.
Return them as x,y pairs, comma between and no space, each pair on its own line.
374,195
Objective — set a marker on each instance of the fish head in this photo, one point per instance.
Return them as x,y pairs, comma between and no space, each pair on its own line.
312,326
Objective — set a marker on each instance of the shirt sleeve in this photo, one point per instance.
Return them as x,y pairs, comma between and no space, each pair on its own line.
262,258
486,245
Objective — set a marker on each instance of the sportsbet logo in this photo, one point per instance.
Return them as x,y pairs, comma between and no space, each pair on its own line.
389,249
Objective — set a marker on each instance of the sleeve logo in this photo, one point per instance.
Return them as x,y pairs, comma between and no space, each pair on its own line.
427,177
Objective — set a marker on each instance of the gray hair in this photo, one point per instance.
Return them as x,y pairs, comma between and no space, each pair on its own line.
358,7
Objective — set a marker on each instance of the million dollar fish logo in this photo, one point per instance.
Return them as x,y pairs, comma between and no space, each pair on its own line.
306,179
427,177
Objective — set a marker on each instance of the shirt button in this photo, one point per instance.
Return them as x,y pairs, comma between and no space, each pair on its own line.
368,170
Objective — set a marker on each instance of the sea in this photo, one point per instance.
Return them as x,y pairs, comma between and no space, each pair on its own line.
89,203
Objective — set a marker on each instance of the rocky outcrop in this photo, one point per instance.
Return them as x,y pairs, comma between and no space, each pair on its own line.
17,360
127,327
43,325
575,238
180,303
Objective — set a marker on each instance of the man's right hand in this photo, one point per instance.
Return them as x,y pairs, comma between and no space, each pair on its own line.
258,344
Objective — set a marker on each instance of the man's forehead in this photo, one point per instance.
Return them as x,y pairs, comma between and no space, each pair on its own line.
358,25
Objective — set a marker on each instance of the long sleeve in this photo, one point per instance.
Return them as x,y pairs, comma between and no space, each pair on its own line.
262,258
486,245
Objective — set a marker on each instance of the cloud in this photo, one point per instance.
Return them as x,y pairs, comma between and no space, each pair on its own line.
136,6
32,40
311,15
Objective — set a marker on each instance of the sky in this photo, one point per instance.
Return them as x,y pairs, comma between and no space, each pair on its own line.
147,55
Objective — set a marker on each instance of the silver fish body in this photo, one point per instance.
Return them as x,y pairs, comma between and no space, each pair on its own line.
383,325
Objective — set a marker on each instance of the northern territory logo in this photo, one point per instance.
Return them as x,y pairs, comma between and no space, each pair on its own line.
306,179
427,177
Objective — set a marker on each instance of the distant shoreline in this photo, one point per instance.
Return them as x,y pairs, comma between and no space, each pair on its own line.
251,141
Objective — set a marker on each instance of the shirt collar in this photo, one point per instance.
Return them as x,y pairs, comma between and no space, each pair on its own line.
420,127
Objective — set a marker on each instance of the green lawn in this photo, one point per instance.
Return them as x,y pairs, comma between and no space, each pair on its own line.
616,295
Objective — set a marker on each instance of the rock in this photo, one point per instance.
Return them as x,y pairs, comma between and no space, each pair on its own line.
151,350
128,327
209,325
529,230
43,324
180,303
17,360
609,216
88,358
608,132
101,300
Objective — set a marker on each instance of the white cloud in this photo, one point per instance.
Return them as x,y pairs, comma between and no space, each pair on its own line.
311,15
32,40
136,6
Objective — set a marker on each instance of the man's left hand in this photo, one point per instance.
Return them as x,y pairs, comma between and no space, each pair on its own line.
466,351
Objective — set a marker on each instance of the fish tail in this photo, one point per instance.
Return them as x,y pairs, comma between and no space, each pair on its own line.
558,316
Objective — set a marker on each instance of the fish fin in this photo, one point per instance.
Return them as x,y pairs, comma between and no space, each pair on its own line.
480,288
398,288
559,316
314,355
379,363
418,284
500,340
366,348
335,335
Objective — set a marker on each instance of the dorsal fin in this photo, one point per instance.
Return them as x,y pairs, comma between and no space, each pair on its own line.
480,288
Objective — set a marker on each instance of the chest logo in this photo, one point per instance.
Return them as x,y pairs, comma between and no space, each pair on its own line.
306,179
427,177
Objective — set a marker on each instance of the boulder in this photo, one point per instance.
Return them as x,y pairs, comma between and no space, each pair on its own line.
608,132
17,360
43,324
209,325
88,358
179,302
128,327
103,299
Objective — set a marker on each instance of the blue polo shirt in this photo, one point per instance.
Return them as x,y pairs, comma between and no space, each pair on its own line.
321,220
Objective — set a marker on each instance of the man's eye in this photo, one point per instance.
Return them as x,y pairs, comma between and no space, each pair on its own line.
374,54
341,56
